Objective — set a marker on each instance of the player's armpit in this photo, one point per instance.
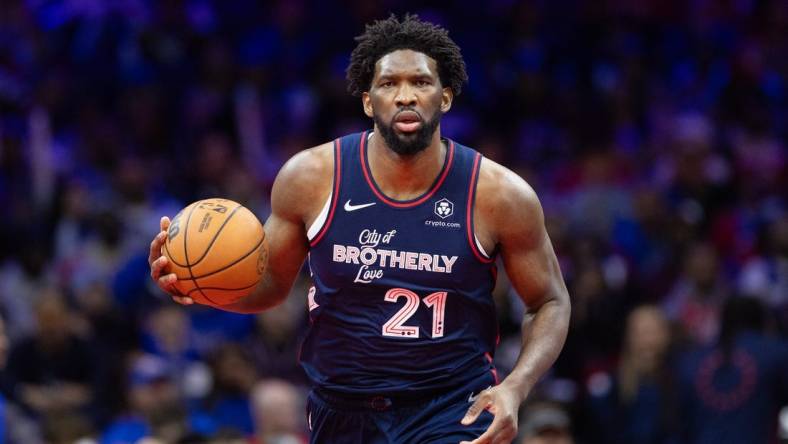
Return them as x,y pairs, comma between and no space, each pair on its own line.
511,215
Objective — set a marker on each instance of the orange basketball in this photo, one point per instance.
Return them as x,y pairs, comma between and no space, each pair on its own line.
217,249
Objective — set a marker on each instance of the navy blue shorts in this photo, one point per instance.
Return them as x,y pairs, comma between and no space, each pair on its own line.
382,420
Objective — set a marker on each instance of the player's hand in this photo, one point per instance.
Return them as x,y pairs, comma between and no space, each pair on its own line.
502,402
159,265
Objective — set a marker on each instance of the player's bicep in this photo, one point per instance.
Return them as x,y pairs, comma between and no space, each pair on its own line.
303,180
526,249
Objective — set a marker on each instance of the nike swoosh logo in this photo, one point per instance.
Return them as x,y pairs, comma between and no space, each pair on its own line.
349,207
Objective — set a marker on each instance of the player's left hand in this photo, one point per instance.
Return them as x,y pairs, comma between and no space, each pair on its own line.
504,403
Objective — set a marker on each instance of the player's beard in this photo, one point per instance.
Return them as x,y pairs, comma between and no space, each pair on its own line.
408,144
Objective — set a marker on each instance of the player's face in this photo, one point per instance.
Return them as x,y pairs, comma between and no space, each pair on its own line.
406,100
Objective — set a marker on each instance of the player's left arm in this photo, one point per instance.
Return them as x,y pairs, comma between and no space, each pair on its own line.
510,216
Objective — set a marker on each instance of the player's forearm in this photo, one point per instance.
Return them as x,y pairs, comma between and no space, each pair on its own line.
544,333
268,294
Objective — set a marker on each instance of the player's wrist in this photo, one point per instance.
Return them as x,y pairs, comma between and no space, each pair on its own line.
518,387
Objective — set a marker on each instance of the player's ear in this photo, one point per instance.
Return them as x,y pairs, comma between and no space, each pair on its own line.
447,95
367,103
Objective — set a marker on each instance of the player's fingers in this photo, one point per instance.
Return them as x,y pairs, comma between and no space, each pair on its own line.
489,436
183,300
506,433
505,438
157,266
166,282
164,223
155,247
476,409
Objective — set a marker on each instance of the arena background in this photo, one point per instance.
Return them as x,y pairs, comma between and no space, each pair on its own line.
654,133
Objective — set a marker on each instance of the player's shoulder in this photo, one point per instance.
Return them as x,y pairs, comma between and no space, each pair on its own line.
310,164
506,204
303,180
501,188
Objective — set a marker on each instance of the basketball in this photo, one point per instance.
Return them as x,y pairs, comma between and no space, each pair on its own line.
217,249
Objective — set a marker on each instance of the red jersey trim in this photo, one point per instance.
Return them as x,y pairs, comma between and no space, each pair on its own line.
469,212
493,370
407,203
334,195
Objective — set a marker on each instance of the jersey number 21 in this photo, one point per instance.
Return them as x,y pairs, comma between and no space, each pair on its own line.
394,326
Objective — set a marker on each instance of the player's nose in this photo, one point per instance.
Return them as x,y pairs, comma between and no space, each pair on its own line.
406,96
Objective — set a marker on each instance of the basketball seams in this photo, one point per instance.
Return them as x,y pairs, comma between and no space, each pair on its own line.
216,235
166,244
222,288
186,255
210,244
230,265
169,256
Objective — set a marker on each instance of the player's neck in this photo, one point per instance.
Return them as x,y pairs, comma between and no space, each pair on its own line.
405,177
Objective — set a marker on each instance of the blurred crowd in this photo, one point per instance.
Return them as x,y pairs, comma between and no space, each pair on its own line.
654,133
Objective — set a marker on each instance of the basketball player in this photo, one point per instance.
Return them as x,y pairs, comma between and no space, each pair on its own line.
401,228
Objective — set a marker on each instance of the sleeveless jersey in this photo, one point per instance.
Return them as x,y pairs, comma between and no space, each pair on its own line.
401,301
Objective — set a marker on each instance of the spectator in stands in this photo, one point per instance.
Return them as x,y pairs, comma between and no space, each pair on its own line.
765,276
635,402
731,391
154,407
545,423
278,407
696,299
53,368
228,403
16,425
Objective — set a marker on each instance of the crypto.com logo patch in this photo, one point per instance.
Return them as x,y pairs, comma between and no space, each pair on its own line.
444,208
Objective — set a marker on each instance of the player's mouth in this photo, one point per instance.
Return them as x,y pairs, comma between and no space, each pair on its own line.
407,121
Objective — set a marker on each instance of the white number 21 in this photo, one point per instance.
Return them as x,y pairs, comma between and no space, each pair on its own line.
395,327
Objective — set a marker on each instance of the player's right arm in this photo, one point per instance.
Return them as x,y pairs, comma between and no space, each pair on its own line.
300,189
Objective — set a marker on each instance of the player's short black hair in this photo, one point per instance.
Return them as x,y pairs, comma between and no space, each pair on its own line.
385,36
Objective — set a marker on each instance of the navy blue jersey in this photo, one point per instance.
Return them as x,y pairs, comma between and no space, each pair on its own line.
402,300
